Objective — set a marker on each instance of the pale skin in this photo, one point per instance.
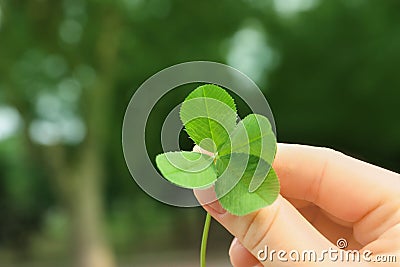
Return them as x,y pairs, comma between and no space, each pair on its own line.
325,195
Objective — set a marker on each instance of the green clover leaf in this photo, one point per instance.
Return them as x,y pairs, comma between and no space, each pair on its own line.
238,200
187,169
254,136
209,116
243,152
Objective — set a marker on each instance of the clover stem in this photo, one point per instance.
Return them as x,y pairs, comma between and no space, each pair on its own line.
204,239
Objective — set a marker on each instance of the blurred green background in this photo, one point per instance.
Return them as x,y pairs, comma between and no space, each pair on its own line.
330,70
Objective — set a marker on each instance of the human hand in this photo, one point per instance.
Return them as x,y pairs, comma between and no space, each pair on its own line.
325,196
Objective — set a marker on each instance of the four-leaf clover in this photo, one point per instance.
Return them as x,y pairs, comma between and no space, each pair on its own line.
243,152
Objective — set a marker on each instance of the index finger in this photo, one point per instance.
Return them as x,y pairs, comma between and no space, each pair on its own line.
343,186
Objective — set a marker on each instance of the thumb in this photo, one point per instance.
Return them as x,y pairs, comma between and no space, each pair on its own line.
276,227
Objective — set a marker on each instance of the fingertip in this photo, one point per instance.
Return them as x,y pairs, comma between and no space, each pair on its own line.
196,148
240,256
232,247
208,199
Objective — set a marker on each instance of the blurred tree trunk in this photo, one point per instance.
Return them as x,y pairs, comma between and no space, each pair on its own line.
78,183
83,198
80,180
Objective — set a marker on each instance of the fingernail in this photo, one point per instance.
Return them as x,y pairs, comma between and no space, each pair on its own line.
217,207
207,197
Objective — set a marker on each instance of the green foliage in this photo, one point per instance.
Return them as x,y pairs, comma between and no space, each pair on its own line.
242,153
209,116
253,135
239,200
187,169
